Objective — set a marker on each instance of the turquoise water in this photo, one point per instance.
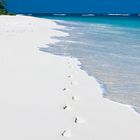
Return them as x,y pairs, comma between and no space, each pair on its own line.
108,49
133,22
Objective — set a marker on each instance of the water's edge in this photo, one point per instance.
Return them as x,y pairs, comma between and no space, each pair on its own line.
57,49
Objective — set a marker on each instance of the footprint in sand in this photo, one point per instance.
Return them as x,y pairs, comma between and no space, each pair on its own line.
74,98
79,120
70,76
65,89
66,133
74,83
67,107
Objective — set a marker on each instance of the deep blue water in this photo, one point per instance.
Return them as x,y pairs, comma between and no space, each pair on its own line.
108,49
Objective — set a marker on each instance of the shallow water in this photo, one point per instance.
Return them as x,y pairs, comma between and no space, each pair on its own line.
109,50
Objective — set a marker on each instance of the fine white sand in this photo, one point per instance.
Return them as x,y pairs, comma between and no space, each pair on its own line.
47,97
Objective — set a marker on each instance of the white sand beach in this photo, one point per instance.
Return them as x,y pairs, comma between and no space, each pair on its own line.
48,97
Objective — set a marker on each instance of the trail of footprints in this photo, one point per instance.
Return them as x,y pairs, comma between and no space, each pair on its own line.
77,120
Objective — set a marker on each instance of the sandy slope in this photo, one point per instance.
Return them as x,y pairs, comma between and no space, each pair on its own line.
46,97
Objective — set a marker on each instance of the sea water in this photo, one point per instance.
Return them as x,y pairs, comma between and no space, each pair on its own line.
108,49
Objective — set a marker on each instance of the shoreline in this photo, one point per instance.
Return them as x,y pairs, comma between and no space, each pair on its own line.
104,85
49,96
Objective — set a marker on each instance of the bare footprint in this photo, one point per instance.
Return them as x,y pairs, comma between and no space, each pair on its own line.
74,98
69,76
67,107
74,83
65,89
66,133
79,120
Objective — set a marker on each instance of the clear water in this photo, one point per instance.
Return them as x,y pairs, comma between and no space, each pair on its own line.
109,50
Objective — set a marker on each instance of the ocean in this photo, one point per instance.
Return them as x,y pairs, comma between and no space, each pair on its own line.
108,48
